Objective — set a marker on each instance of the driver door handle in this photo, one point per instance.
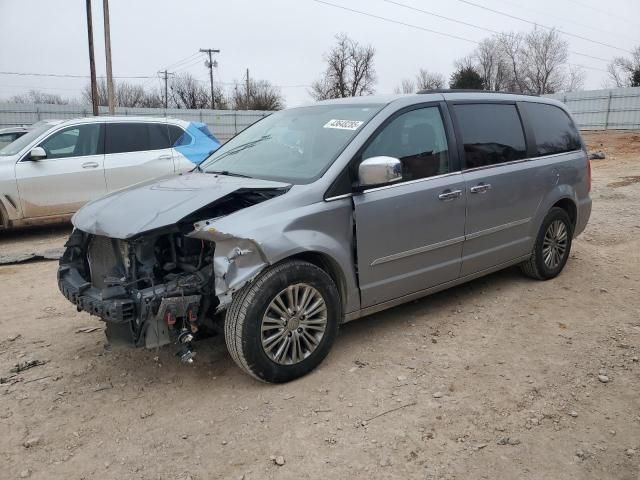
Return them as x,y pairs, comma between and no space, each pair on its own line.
90,165
164,157
450,195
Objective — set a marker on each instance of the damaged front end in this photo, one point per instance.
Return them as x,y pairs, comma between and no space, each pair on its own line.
165,285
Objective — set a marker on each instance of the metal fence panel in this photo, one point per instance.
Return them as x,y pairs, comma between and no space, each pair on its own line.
224,124
614,108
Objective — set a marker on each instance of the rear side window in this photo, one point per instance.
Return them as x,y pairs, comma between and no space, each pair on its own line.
126,137
491,133
553,129
178,137
136,137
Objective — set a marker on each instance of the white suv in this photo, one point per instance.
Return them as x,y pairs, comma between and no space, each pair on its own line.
49,173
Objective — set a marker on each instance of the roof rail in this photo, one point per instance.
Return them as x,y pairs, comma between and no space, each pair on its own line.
472,90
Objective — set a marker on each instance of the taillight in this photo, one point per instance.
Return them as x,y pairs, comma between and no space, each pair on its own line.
589,174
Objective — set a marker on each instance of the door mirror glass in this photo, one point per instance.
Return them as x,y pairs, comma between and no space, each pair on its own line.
379,171
37,153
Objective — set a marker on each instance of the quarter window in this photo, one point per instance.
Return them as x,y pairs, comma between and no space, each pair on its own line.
491,133
553,129
417,138
78,141
178,137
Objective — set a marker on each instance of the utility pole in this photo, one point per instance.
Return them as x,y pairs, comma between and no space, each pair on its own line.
246,105
165,75
210,64
92,62
107,51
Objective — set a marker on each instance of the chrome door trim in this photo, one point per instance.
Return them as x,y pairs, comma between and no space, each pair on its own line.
411,182
428,291
498,228
516,162
339,197
416,251
395,185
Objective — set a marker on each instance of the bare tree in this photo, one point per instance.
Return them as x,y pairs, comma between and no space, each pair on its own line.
185,91
574,80
261,95
544,56
125,95
492,63
36,96
625,72
426,80
406,86
350,71
510,45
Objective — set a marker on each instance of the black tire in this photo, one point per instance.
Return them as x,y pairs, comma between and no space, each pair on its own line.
243,320
535,267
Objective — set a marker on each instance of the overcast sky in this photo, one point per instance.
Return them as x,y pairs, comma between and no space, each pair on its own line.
283,40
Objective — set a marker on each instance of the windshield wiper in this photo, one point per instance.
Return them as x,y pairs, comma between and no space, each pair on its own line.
244,146
226,173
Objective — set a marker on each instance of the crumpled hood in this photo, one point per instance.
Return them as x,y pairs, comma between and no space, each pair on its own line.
159,203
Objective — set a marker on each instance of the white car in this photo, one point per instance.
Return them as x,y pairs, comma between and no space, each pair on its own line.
58,166
8,135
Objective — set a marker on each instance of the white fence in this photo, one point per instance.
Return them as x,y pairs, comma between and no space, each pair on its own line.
615,108
224,124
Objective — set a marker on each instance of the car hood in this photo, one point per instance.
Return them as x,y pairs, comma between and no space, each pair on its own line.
160,203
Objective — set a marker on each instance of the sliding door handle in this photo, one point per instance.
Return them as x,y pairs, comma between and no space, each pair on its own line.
480,188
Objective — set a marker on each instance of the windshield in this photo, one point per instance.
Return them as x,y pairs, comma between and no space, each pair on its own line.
34,132
293,146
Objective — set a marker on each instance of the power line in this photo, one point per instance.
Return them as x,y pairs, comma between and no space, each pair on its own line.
385,19
473,4
238,83
65,75
605,12
568,20
397,22
182,60
190,64
477,26
415,9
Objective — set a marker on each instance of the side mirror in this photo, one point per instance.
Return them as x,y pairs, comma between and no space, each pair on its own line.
379,171
37,153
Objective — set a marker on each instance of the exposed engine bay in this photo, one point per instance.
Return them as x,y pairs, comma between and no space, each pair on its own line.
163,286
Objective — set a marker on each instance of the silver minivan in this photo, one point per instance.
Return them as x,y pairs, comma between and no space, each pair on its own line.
319,215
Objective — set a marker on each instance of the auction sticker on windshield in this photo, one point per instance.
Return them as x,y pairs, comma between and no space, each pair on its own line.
343,124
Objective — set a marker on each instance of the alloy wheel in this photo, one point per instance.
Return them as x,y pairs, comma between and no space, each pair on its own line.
293,324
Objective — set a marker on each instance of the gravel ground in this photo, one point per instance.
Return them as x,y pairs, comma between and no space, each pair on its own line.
503,377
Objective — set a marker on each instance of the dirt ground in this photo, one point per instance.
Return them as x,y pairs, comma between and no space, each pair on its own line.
501,378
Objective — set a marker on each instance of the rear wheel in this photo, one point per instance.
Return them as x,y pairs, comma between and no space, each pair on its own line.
282,325
552,247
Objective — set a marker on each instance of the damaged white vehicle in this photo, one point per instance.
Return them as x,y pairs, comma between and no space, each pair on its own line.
319,215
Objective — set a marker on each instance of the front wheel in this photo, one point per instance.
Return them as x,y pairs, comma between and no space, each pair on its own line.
552,247
282,325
